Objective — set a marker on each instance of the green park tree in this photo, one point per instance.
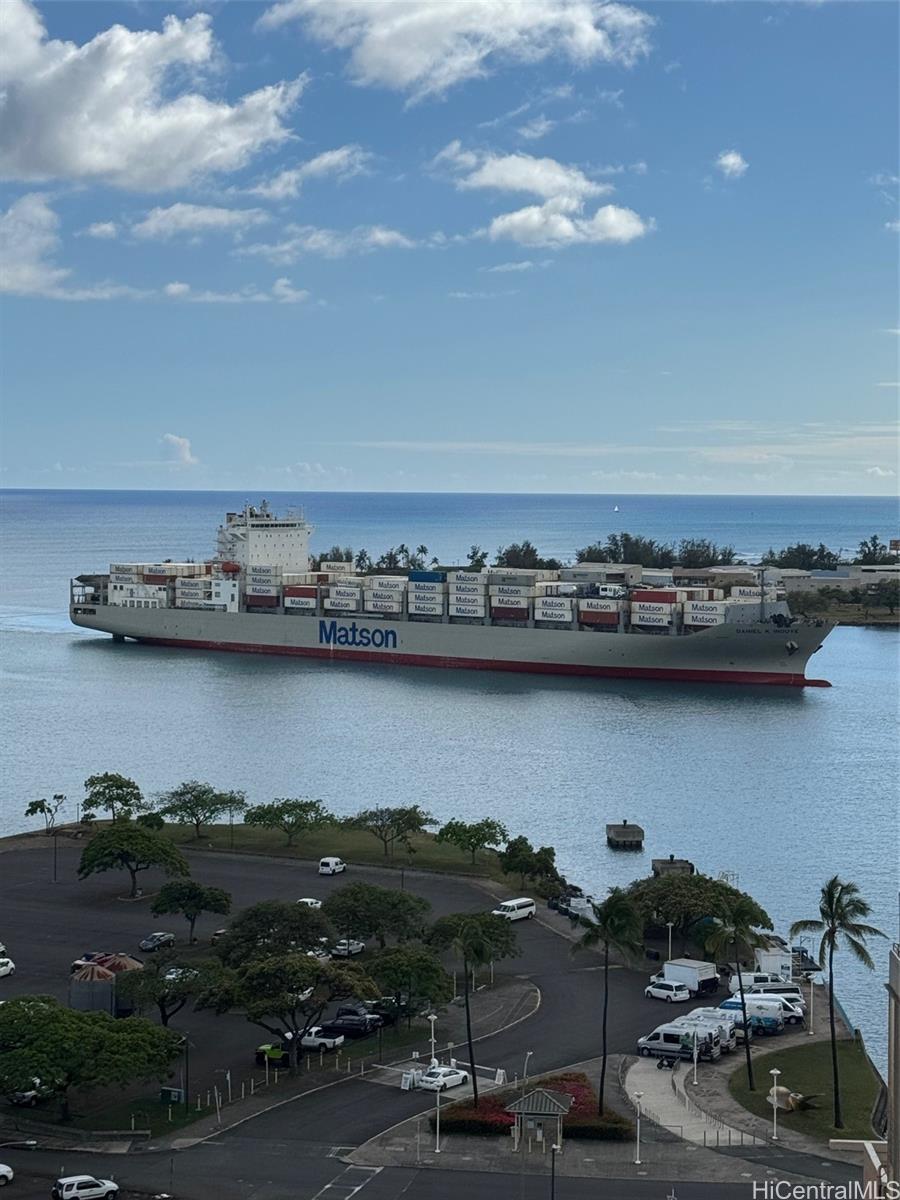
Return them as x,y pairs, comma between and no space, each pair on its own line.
116,795
167,983
392,825
198,804
686,899
474,940
523,555
477,558
133,849
292,817
841,922
272,927
733,931
190,899
65,1049
886,594
364,910
874,553
803,557
413,975
473,836
48,809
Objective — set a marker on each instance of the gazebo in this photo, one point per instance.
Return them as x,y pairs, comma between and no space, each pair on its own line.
539,1117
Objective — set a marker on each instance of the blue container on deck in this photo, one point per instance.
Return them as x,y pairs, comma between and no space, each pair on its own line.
427,576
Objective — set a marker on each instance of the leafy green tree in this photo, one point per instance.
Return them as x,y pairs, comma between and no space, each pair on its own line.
732,932
413,975
335,554
874,553
114,794
198,804
48,809
524,555
389,561
190,899
473,836
841,922
700,553
815,602
65,1049
364,910
477,558
287,993
616,926
362,562
272,927
518,858
133,849
150,820
392,825
629,548
886,594
292,817
804,557
167,983
474,939
686,899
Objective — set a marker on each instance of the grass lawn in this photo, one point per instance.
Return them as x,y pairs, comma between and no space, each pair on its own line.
148,1112
354,846
807,1069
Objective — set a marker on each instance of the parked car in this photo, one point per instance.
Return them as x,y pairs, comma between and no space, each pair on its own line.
29,1097
217,936
180,975
319,953
347,948
156,941
83,1187
350,1027
7,1175
310,902
438,1079
331,866
316,1039
662,989
2,948
516,910
7,967
357,1008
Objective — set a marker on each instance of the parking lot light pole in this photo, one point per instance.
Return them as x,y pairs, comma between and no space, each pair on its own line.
554,1150
669,925
812,1000
528,1054
437,1120
774,1073
432,1017
637,1144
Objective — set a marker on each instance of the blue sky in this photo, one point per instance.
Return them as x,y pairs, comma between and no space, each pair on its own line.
415,245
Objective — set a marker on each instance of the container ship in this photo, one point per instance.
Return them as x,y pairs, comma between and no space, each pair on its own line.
259,595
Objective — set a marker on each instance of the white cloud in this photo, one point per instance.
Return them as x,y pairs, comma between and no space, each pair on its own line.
285,293
330,243
29,241
613,98
880,472
180,450
892,226
118,108
543,177
552,225
891,383
195,219
342,163
177,289
102,230
732,164
503,268
282,292
481,295
425,47
537,127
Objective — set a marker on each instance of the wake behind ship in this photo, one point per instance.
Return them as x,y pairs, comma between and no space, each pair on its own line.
259,595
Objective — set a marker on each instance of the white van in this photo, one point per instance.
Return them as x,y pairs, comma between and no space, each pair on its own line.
751,979
764,1014
516,910
331,866
789,990
722,1026
675,1040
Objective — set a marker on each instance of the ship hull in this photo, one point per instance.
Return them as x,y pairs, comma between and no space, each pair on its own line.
751,653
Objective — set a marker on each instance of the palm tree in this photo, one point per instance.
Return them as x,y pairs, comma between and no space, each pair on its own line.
617,925
737,931
840,921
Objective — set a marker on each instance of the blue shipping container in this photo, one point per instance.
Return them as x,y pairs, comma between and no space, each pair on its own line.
427,576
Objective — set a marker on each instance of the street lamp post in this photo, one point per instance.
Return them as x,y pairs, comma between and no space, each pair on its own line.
774,1073
812,1000
437,1120
528,1054
432,1017
60,799
554,1150
669,925
637,1144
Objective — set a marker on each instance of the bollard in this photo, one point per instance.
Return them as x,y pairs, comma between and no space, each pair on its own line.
198,1102
243,1085
276,1074
252,1086
349,1065
170,1112
362,1067
207,1099
307,1062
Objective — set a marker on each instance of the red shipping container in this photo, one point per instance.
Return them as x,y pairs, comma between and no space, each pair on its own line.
509,614
599,618
296,589
657,595
155,578
231,568
263,601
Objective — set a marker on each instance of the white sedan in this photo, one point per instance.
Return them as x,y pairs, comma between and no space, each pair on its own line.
315,1039
347,947
310,902
7,967
438,1079
7,1175
664,990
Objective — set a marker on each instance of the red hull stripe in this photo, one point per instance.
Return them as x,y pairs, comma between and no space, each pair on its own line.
496,664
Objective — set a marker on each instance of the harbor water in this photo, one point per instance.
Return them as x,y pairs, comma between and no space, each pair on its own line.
776,788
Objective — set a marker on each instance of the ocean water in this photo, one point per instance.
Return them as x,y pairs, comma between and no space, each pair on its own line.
778,789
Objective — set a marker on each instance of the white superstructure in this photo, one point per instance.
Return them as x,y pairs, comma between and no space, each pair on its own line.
255,537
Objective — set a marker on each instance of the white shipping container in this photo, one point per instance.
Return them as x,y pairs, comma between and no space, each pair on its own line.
704,618
752,593
511,589
344,593
260,589
466,577
651,606
383,594
643,618
387,583
426,608
466,610
509,601
418,588
266,569
708,607
555,589
592,605
123,577
338,568
552,614
388,606
307,602
468,589
336,604
561,603
264,580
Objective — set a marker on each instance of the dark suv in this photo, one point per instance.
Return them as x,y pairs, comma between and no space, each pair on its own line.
351,1026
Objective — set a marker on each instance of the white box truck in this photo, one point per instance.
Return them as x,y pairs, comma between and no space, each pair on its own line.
698,977
777,961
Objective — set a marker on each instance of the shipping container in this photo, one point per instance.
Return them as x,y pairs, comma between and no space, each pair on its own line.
263,601
383,594
388,606
260,589
591,604
511,589
337,568
553,614
709,607
340,604
300,602
415,588
651,618
387,583
467,589
698,618
560,603
512,579
508,613
154,579
344,593
645,606
510,602
466,610
428,576
456,577
264,569
592,617
426,608
300,589
752,593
